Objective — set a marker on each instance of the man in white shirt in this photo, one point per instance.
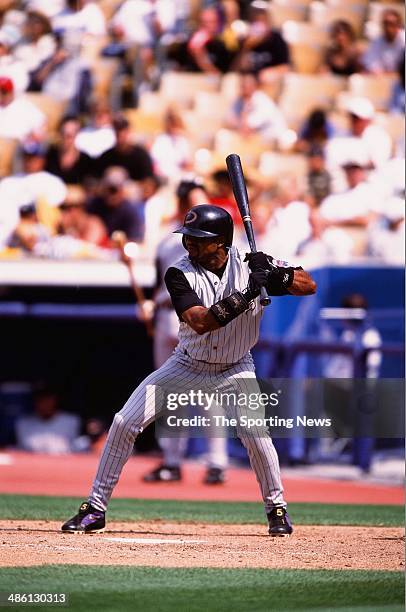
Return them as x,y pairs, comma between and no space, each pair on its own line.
32,185
255,112
385,52
366,141
19,118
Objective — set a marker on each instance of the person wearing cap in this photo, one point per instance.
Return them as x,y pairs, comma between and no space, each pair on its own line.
366,140
29,231
385,52
19,118
340,223
114,207
134,158
264,51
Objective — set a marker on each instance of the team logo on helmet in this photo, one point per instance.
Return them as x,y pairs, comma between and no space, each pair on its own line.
190,217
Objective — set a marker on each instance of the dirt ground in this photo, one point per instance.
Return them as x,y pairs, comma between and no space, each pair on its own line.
164,544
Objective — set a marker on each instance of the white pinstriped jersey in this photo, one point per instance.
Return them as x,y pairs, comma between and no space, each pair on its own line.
230,343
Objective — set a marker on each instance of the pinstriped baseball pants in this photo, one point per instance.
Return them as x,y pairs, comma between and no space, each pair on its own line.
181,372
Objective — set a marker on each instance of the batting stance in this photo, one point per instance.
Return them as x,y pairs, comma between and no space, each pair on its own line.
215,293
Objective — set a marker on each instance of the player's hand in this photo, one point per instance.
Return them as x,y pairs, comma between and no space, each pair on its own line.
258,261
256,280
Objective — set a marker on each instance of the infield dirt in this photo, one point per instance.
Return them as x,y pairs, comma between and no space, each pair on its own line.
25,543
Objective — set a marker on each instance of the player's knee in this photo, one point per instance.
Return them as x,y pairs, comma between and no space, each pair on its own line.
125,427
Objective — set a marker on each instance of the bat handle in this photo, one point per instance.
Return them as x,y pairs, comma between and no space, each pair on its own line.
265,300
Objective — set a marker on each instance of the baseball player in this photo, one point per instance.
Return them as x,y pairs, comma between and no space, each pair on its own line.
190,192
215,292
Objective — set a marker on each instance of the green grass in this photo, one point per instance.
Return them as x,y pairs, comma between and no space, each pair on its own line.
203,590
61,508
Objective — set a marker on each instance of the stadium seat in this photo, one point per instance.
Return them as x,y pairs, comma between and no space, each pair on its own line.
323,15
377,88
52,109
273,165
181,87
248,147
143,123
302,93
8,148
104,70
295,32
307,59
281,13
109,7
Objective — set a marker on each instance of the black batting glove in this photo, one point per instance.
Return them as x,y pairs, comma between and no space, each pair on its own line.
258,261
256,280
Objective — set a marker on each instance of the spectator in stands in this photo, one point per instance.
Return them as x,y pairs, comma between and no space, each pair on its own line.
154,198
365,140
38,43
255,112
289,226
170,150
315,132
65,76
80,17
340,222
29,231
19,118
10,66
114,208
264,50
222,194
134,158
384,53
64,159
206,50
397,101
343,55
318,178
98,135
48,430
77,222
33,184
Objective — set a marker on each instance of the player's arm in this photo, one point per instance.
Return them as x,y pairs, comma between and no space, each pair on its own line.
187,303
283,278
190,309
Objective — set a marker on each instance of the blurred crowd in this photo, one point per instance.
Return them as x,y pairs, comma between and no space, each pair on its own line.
108,108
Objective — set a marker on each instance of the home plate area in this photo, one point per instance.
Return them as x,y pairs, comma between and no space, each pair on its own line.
160,543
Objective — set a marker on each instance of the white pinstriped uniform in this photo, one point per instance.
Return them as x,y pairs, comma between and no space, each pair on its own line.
216,360
169,251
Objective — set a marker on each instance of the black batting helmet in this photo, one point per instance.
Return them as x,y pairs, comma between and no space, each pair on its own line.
207,221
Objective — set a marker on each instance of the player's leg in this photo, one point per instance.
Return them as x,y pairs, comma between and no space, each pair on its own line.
261,451
141,408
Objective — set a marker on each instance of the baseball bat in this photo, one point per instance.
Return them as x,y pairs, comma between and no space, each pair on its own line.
237,179
120,239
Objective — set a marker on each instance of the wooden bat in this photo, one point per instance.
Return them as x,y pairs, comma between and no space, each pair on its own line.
120,239
237,179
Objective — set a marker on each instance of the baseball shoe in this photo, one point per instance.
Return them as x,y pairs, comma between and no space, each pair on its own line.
214,476
279,523
163,473
87,520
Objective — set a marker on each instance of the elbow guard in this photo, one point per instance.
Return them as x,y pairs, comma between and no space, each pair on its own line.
230,307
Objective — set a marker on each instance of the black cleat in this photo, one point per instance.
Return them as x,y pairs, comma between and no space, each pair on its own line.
163,473
279,523
87,520
214,476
